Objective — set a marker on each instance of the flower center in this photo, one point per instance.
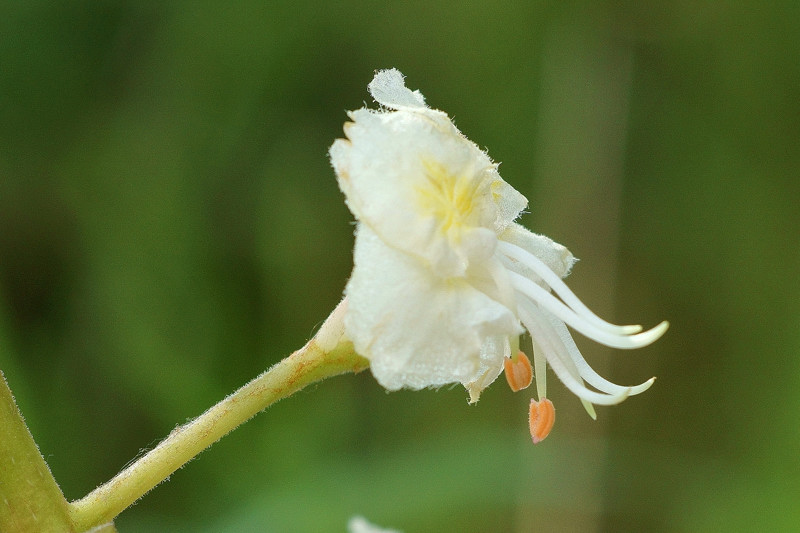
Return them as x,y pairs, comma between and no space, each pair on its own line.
453,199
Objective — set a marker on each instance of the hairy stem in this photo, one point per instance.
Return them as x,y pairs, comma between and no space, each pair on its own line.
328,354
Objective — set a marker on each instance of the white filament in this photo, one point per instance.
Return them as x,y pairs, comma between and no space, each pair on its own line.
559,360
539,369
549,302
559,287
587,372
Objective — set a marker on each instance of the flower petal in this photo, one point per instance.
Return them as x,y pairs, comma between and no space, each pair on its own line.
510,203
359,524
554,255
419,183
417,329
494,351
388,88
424,189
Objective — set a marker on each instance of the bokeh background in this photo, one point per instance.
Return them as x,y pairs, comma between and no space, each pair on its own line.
170,227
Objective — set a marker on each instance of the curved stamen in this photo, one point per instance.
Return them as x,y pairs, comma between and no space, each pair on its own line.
550,303
587,372
544,334
539,369
526,258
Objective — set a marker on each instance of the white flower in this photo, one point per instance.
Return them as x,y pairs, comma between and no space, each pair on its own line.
359,524
444,279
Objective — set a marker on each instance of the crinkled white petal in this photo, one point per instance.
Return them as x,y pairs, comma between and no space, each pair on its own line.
423,190
554,255
388,88
510,203
491,278
417,329
419,183
494,350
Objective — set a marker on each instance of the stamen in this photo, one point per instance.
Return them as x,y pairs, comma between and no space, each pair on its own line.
519,373
524,257
587,372
560,361
540,369
552,304
541,417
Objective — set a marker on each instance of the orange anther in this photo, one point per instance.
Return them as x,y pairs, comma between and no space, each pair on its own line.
542,417
518,371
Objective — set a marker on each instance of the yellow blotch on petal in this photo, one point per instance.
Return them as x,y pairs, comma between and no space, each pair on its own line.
450,198
519,373
542,418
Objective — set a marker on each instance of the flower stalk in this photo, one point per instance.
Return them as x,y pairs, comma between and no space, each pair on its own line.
327,354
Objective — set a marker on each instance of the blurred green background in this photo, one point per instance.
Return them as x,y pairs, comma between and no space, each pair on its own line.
170,227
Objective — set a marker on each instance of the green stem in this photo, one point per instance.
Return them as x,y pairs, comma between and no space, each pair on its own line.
328,354
30,499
